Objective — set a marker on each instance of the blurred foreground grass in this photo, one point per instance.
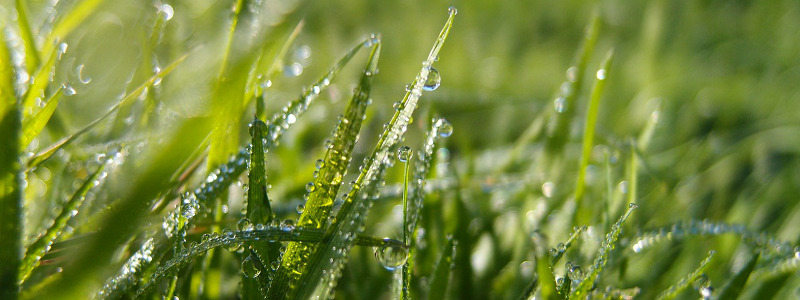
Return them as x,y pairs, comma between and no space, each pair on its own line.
698,124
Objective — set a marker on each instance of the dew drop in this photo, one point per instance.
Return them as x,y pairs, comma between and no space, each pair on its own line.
561,247
83,78
601,74
548,188
68,90
287,225
310,187
249,267
244,225
290,119
391,257
576,272
301,208
293,70
633,205
275,265
404,153
452,10
623,187
167,10
560,104
445,128
572,74
434,80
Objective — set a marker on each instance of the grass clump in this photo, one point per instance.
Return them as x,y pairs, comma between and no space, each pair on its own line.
193,160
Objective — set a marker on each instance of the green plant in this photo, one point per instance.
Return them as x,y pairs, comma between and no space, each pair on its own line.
147,197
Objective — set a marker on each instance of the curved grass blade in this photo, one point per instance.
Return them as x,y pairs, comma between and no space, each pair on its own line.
270,233
330,258
47,153
63,27
11,203
682,284
735,285
602,256
440,279
33,125
31,52
40,79
39,247
588,130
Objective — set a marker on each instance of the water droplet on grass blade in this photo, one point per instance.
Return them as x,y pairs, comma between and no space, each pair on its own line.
404,153
601,74
560,104
244,225
434,80
249,267
452,10
445,128
391,257
68,90
167,11
548,188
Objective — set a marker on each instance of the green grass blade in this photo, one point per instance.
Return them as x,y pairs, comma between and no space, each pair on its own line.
589,128
682,284
11,200
736,284
440,279
602,256
258,212
332,256
40,79
49,151
33,125
332,169
566,99
39,247
63,27
31,51
558,252
545,279
7,95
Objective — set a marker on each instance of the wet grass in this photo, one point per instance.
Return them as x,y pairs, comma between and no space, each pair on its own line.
208,154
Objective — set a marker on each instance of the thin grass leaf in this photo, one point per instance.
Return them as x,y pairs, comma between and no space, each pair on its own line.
32,126
49,151
31,51
649,129
39,247
545,279
589,128
7,94
440,279
560,251
63,27
736,284
602,256
566,99
332,168
40,79
330,259
11,203
682,284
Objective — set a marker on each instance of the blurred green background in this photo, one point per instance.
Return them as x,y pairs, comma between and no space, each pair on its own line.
721,77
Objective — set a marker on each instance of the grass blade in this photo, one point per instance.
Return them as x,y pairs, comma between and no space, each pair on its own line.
11,200
40,81
33,125
63,27
332,169
7,95
589,127
31,51
39,247
602,256
682,284
440,279
736,284
332,256
47,153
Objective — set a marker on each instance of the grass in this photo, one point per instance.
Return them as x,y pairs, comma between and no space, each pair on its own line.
251,149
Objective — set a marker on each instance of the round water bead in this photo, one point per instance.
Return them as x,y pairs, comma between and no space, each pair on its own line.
391,257
404,153
249,267
434,80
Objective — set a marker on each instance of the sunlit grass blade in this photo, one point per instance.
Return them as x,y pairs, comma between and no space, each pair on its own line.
7,94
69,21
566,98
440,279
364,190
649,129
31,51
39,247
589,129
545,279
332,168
11,202
602,256
736,284
40,79
33,125
675,289
558,252
49,151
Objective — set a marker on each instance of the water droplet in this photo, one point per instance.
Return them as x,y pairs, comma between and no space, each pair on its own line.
398,105
404,153
548,188
561,247
68,90
572,74
293,70
623,187
244,225
633,205
275,265
62,48
287,225
167,10
290,119
81,77
560,104
391,257
310,187
452,10
706,292
601,74
576,272
409,87
301,208
445,128
434,80
249,267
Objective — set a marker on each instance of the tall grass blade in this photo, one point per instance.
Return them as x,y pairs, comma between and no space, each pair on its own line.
675,289
39,247
33,125
589,128
440,279
40,79
8,97
49,151
31,51
736,284
63,27
325,265
332,168
11,200
602,256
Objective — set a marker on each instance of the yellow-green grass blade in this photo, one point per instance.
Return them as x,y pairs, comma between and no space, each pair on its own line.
31,51
675,289
69,21
11,200
32,126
